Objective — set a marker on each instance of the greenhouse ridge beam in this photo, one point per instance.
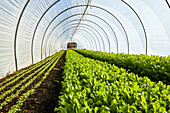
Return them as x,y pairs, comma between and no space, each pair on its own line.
146,41
89,1
47,28
16,34
134,27
83,6
93,15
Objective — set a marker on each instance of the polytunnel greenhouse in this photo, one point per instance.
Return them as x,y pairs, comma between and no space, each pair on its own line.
85,56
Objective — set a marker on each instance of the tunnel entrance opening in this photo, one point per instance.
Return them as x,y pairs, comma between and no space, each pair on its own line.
71,45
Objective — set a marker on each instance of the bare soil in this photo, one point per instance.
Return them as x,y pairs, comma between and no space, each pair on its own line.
45,97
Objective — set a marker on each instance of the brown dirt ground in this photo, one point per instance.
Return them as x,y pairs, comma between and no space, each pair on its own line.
45,98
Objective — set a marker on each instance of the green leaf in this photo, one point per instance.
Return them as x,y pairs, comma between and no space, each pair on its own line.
156,106
90,101
162,110
96,109
104,109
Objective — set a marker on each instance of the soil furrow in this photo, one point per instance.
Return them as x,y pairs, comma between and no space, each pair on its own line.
45,98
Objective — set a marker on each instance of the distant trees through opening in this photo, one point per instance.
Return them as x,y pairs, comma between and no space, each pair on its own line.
72,45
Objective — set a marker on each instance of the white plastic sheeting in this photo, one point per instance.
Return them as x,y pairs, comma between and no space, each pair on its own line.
42,27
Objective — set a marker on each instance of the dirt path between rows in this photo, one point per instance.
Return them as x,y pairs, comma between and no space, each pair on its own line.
45,98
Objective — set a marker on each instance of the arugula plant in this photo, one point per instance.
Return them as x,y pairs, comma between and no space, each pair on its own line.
157,68
94,86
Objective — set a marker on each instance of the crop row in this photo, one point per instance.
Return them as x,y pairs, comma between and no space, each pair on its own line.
94,86
22,99
46,68
11,97
157,68
16,77
19,83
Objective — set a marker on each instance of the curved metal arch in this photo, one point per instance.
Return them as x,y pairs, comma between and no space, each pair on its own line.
79,32
88,26
85,25
74,38
141,24
109,27
70,29
159,19
90,15
32,43
82,30
83,6
117,20
52,43
167,3
87,33
86,44
89,39
16,31
84,38
96,30
79,41
91,28
16,34
48,26
61,23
